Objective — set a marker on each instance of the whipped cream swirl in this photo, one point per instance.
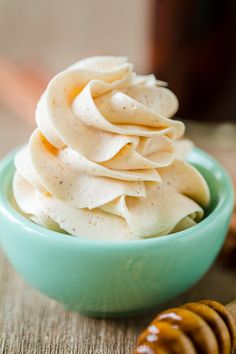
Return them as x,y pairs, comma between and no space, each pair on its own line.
103,161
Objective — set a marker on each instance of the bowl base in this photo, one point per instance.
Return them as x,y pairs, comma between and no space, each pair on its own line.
111,315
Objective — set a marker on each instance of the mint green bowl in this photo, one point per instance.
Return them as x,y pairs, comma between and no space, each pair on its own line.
107,278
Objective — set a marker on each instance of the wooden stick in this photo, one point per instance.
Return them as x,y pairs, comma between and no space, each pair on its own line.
205,327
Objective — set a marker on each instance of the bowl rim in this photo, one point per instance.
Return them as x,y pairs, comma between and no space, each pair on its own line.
9,212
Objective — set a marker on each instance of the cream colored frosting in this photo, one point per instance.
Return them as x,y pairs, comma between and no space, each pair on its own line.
106,161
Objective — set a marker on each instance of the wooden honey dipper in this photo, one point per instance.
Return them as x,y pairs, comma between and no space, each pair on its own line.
205,327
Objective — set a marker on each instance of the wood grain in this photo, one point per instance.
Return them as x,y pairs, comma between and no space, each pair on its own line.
31,323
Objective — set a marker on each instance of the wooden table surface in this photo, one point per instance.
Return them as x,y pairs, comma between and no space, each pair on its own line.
31,323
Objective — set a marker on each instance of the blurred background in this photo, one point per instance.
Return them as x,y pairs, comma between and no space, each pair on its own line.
189,43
